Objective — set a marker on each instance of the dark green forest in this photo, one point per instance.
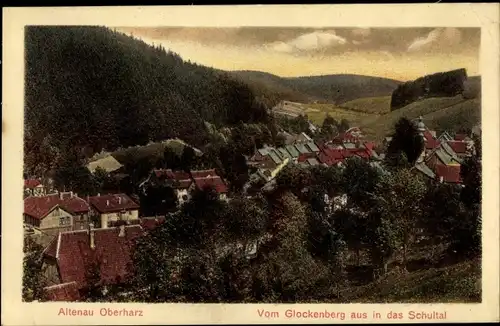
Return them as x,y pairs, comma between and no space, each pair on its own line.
328,88
93,88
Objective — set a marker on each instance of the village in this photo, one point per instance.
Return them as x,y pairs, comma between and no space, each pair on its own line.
74,228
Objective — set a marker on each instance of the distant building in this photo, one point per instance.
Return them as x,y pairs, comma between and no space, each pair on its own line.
107,210
56,212
108,164
75,258
33,187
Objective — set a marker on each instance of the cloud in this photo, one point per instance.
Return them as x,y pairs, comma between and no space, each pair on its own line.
437,38
310,42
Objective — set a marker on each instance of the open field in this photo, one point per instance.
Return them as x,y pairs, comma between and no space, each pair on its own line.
318,112
375,105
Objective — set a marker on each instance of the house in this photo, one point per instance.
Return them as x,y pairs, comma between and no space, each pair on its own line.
150,223
56,212
74,259
62,292
441,156
33,187
461,148
107,163
448,173
179,181
107,210
426,171
212,181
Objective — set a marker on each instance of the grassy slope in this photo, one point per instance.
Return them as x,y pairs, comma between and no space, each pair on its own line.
376,105
439,113
318,112
455,283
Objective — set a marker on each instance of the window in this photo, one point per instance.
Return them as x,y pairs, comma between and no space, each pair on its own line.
62,221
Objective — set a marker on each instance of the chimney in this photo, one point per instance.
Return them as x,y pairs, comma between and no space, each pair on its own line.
119,200
98,194
71,193
122,231
61,195
107,202
75,195
92,236
441,179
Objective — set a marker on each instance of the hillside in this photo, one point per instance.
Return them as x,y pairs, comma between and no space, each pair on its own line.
457,283
441,84
374,105
324,89
439,113
93,87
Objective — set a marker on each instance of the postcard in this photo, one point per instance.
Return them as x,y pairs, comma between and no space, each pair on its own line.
250,164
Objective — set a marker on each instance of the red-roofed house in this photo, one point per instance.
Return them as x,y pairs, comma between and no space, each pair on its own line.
203,173
214,182
62,292
430,141
33,187
103,256
150,223
106,210
462,148
180,181
63,211
448,173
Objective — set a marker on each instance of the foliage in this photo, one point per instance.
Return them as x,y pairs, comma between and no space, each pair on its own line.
399,200
33,281
405,140
92,87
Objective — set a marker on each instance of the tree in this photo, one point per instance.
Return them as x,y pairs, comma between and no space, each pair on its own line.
171,159
188,158
359,182
399,198
407,140
471,174
158,200
33,282
343,126
247,219
289,272
294,178
235,166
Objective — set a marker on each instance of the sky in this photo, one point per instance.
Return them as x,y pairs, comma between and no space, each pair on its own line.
397,53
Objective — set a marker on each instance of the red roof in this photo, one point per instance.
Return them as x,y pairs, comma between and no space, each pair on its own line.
459,147
215,182
431,142
112,254
334,153
39,207
460,136
305,156
369,145
149,223
113,203
62,292
450,173
31,183
203,173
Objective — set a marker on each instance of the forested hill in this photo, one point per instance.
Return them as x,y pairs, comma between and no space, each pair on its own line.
327,88
94,87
